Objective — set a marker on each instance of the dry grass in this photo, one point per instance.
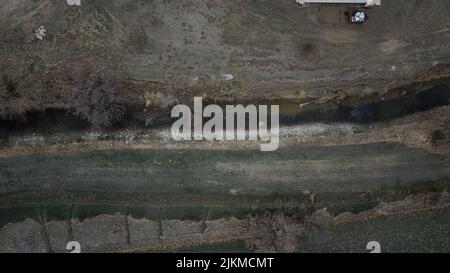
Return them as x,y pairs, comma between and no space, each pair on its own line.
12,105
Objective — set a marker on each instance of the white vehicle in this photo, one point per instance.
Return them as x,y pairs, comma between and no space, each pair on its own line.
357,16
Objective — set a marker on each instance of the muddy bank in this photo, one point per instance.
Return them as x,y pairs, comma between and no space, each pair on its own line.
48,122
44,227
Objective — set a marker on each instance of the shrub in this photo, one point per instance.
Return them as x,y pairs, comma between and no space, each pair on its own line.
14,110
274,232
308,48
98,100
141,39
12,106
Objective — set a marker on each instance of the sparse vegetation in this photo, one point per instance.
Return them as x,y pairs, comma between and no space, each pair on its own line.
140,39
14,110
158,100
12,106
98,100
9,85
308,48
274,232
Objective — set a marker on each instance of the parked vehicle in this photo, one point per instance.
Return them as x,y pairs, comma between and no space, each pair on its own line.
357,16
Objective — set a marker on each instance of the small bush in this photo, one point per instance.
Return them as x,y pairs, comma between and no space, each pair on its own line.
14,110
98,100
274,232
12,106
308,48
141,39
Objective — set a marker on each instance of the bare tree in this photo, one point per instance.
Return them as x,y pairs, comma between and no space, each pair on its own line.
98,100
274,232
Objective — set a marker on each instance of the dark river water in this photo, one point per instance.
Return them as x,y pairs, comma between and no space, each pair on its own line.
416,98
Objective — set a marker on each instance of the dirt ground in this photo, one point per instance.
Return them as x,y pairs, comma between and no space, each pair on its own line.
267,48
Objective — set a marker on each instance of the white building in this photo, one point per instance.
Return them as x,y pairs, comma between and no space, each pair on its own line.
73,2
